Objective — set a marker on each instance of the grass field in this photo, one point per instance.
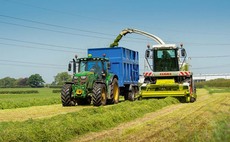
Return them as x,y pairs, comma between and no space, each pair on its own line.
148,120
208,119
44,97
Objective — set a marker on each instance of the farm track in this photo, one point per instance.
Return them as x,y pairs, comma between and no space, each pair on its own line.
173,123
36,112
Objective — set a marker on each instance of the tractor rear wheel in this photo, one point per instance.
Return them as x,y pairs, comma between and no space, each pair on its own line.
66,95
115,91
99,94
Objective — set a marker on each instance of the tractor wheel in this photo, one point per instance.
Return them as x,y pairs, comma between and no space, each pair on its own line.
66,95
115,91
131,95
99,95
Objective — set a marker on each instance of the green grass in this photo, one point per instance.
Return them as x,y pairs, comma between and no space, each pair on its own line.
44,97
212,90
68,126
222,130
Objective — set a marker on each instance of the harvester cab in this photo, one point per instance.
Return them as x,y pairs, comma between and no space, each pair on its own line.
167,57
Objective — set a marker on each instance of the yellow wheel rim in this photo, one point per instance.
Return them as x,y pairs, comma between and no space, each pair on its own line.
103,96
116,92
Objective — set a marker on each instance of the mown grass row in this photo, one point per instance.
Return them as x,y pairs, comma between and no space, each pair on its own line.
68,126
44,97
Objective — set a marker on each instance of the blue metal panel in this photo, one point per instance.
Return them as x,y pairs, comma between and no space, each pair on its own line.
124,63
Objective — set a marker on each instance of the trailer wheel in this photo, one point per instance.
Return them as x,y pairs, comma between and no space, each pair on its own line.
99,95
131,95
66,95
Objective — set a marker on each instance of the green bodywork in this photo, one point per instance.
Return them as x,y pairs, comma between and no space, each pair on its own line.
87,75
164,87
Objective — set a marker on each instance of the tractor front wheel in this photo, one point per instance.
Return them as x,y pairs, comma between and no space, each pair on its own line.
66,95
99,94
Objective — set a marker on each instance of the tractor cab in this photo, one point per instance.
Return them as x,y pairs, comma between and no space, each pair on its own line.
97,65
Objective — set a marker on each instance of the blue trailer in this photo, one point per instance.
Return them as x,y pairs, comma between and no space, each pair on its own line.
102,76
125,64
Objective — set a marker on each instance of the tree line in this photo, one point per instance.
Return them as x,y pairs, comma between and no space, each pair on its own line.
34,81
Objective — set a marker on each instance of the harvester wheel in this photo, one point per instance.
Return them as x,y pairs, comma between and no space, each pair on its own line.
66,95
192,99
99,94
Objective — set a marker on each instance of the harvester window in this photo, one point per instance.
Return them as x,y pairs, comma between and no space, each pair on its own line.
165,60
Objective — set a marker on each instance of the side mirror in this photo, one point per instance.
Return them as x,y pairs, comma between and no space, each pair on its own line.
147,54
69,67
108,65
183,52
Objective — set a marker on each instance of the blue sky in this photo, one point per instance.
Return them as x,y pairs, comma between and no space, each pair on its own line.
43,36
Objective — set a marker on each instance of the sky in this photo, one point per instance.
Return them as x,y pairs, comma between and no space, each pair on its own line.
43,36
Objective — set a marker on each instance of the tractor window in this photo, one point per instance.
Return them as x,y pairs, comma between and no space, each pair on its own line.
165,60
94,66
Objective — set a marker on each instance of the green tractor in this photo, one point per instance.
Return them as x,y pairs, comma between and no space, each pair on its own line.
91,84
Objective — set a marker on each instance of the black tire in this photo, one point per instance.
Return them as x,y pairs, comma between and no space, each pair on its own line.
192,99
131,95
66,95
99,95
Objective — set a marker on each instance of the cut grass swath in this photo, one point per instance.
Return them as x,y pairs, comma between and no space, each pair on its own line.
65,127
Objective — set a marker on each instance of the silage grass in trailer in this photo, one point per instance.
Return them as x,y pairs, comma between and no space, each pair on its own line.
45,96
68,126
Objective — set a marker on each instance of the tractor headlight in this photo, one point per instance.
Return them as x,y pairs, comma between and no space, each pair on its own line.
75,79
83,77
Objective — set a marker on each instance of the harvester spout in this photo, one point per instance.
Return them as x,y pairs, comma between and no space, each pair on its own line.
128,30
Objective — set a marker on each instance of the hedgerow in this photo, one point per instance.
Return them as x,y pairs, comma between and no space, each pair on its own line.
214,83
57,91
43,97
19,92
